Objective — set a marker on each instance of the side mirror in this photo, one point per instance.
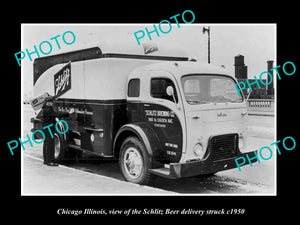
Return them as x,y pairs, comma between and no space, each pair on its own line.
170,91
248,94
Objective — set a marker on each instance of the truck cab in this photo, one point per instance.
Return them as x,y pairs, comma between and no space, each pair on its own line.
190,120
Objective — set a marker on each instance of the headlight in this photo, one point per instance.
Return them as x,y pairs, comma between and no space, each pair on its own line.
241,142
199,150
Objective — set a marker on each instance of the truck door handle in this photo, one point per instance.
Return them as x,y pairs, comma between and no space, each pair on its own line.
195,117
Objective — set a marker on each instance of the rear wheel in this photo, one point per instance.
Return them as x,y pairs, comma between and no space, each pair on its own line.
134,161
60,141
62,152
59,147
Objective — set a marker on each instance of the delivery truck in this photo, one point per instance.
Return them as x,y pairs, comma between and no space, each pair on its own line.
152,108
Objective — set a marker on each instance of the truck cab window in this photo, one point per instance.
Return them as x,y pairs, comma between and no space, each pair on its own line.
159,86
134,88
209,88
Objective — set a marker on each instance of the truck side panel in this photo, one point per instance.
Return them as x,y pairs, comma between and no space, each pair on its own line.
95,123
98,92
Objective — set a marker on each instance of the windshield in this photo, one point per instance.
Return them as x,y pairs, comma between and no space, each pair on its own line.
202,89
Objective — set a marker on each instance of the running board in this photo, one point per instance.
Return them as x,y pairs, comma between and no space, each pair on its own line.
77,147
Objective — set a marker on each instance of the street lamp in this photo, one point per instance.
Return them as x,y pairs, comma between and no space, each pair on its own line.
208,32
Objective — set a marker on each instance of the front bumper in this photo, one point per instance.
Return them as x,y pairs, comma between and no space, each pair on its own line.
194,168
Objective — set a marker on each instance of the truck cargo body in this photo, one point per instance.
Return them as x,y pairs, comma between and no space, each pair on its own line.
98,93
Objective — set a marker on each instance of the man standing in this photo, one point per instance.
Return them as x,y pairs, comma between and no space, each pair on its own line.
48,117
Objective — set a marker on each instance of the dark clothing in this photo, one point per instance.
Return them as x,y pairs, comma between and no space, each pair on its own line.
48,117
48,147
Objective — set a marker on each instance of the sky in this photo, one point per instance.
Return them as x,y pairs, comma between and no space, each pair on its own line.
257,42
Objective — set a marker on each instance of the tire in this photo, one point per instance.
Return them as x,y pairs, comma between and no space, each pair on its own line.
59,143
59,147
134,161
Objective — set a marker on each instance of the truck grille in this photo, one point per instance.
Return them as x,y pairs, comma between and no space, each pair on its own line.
224,146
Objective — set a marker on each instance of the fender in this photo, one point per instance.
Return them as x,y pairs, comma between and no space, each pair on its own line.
145,133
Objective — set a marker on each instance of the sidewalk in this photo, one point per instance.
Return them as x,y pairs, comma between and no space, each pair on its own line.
39,179
260,125
257,131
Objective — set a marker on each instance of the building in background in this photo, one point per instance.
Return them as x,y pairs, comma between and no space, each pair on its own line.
241,70
270,88
241,74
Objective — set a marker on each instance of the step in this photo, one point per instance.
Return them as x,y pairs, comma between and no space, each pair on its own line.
164,172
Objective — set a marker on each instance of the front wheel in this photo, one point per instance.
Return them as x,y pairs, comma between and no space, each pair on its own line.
134,161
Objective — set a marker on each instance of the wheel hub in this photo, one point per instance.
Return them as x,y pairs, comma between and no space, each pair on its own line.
133,162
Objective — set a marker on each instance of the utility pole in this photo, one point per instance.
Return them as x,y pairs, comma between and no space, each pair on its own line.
208,32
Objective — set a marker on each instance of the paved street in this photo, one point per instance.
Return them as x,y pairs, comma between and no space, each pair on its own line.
93,175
